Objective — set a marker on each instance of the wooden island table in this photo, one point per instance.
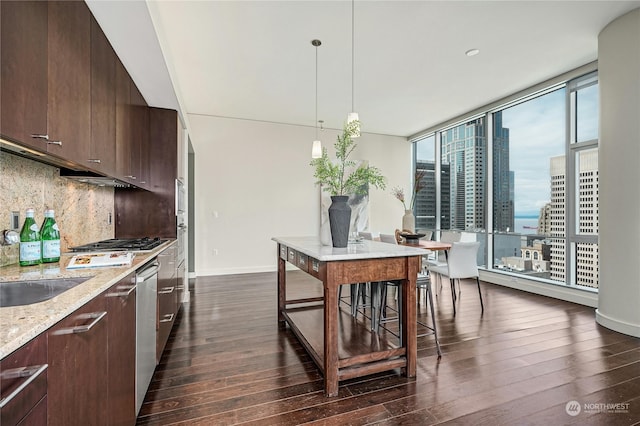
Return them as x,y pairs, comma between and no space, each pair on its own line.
345,348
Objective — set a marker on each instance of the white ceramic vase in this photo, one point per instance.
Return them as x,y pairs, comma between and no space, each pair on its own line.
409,221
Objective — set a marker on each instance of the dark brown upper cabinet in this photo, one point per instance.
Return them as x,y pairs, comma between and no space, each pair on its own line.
123,124
102,150
69,88
139,137
23,71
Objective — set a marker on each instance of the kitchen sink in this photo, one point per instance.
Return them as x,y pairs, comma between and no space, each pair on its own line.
18,293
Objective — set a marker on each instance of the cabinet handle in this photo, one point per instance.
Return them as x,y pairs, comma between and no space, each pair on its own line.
96,316
40,136
31,373
130,177
59,143
127,292
94,160
166,290
169,319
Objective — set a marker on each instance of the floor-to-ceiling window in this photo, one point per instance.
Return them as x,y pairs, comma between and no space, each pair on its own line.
528,185
522,177
425,206
582,148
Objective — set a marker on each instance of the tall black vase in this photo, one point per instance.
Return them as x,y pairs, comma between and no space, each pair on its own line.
339,220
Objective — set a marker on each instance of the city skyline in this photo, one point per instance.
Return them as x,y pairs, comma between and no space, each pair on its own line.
536,133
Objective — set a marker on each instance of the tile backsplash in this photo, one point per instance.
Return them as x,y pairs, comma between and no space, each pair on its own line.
82,211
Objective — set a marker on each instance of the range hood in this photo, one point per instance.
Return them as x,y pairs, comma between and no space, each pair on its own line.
68,169
92,178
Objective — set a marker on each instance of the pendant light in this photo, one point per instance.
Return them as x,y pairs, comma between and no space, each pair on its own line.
353,116
316,148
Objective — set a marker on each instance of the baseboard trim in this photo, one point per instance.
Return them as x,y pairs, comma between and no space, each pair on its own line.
617,325
568,294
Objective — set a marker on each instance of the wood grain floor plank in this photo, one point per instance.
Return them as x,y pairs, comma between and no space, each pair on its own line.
518,362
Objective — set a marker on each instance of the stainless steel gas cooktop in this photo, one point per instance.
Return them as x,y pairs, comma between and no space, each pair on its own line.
115,244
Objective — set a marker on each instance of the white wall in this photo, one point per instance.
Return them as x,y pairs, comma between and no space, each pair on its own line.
619,204
257,178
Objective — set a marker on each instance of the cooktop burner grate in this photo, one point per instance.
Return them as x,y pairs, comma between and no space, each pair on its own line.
130,244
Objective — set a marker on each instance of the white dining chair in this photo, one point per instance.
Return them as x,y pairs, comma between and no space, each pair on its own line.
462,263
441,256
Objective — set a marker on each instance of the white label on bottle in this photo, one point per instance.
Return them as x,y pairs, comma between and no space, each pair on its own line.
55,226
34,227
30,251
50,248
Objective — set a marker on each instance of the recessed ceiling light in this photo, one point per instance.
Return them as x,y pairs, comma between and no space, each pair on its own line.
472,52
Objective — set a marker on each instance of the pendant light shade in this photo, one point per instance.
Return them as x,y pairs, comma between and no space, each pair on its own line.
316,148
353,116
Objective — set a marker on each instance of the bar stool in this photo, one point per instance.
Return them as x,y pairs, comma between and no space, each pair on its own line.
423,282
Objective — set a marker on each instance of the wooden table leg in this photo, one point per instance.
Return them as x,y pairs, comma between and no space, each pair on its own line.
409,326
282,289
330,334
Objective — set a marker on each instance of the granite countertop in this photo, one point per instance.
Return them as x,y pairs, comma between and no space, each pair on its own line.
20,324
365,249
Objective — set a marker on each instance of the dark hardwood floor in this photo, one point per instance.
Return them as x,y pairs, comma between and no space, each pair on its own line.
522,362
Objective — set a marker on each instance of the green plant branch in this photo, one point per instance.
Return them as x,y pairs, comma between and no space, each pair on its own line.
332,176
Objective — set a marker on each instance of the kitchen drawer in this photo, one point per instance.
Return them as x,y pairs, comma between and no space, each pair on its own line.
283,252
291,256
316,268
302,261
24,384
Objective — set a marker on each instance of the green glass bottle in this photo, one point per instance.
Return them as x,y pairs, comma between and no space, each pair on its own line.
50,236
30,244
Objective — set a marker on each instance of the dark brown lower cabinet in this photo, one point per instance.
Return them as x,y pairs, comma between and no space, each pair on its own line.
167,310
78,367
167,298
23,385
121,385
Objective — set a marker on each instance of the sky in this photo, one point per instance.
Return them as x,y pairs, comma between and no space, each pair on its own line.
537,133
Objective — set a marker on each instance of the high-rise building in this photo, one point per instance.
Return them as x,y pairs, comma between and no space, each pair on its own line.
544,220
464,151
586,268
503,179
425,206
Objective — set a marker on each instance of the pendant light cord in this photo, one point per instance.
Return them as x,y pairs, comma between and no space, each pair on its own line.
352,55
316,122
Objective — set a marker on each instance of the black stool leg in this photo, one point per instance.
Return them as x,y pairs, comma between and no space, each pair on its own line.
433,318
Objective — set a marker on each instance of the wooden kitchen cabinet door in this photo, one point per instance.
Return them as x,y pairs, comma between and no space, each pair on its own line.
121,308
23,385
167,298
78,367
102,153
123,124
69,83
139,137
23,62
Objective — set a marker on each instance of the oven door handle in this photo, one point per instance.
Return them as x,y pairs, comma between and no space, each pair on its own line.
147,273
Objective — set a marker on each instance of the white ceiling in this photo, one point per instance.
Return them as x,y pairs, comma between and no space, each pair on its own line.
254,59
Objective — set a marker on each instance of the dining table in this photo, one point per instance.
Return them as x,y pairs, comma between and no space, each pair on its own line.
342,347
427,245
